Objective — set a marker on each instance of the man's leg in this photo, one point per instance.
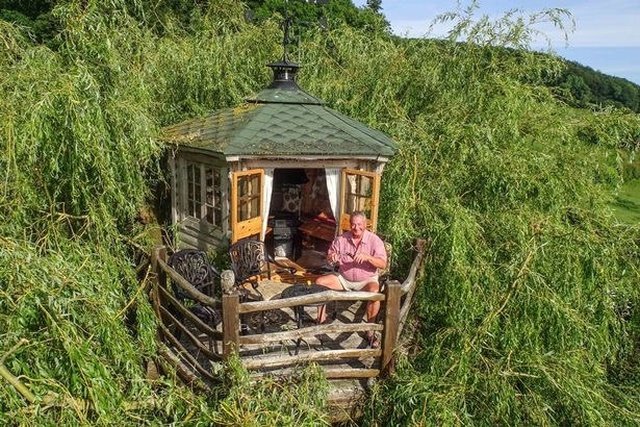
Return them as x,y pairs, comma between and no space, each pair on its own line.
373,307
329,281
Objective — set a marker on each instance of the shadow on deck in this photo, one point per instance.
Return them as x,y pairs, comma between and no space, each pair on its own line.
273,335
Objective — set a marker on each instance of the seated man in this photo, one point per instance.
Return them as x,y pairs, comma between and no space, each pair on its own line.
359,254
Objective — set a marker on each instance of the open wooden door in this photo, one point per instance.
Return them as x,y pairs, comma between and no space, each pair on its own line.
360,191
246,203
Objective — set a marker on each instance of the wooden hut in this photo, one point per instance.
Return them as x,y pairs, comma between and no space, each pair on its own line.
282,167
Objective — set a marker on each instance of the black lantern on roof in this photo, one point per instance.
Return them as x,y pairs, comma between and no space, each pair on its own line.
284,75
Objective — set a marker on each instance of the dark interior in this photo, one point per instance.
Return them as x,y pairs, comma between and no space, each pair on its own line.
301,224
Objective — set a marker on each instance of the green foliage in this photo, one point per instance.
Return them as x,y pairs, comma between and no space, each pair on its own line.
66,306
627,202
79,155
34,16
330,14
528,310
518,316
584,87
297,401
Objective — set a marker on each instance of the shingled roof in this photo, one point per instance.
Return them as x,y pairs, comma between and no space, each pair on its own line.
281,120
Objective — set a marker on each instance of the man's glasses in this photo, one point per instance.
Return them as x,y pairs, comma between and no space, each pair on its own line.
350,255
340,255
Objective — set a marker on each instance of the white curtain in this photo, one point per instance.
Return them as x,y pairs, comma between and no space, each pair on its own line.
267,189
333,188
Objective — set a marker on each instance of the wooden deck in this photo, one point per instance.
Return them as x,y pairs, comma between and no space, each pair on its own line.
263,331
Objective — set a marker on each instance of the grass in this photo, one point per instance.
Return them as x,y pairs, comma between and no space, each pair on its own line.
627,203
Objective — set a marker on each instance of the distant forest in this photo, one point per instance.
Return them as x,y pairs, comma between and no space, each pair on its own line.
578,85
589,87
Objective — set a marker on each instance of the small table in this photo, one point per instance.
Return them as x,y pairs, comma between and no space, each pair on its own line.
298,290
319,229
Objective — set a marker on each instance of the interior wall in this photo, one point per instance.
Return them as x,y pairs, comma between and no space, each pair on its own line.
315,200
305,199
299,197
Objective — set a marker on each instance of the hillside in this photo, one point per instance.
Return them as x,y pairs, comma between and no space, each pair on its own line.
577,84
584,87
527,313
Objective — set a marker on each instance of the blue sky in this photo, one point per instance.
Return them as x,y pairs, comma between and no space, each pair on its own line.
606,35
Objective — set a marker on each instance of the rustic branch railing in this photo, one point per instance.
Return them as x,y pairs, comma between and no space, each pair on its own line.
410,283
196,346
233,340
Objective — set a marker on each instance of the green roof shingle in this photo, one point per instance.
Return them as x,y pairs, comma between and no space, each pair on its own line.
281,122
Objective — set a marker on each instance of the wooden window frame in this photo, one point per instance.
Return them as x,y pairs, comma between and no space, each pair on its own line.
345,218
253,225
184,205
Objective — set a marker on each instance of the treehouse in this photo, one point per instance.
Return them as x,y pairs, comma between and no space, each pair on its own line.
283,168
274,181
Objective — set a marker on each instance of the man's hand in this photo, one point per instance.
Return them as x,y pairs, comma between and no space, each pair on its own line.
376,262
362,258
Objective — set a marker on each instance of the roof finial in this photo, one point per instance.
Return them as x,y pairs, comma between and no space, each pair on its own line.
286,25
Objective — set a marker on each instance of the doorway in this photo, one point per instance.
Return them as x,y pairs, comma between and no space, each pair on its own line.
301,222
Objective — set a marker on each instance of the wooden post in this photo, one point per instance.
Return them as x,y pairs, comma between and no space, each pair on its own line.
230,324
159,252
391,318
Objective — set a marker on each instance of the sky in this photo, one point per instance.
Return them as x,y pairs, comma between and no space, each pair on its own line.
606,36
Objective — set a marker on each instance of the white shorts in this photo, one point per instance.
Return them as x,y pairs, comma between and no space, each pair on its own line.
348,285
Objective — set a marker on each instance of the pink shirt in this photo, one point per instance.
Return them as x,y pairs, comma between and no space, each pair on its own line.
370,244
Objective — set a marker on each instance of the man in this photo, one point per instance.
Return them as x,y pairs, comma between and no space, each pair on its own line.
359,254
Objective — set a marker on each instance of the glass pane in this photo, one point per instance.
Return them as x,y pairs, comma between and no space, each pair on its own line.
208,174
255,185
217,198
208,191
358,194
189,189
217,187
190,181
351,184
254,210
248,197
365,185
217,216
243,186
196,174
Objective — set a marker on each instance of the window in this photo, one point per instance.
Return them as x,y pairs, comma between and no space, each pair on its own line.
359,193
204,193
246,203
249,190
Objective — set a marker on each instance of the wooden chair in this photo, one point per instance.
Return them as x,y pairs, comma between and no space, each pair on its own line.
251,263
